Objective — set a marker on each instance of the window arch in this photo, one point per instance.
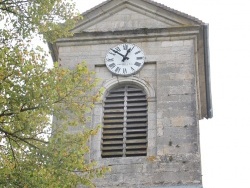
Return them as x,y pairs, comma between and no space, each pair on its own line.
125,122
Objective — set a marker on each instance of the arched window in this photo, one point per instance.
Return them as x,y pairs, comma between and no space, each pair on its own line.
125,122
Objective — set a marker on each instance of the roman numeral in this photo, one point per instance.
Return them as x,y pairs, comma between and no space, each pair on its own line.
137,64
109,60
132,69
137,52
112,65
139,58
112,53
125,46
124,71
117,70
117,49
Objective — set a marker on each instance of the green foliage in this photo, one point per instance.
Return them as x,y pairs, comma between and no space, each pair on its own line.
52,18
32,154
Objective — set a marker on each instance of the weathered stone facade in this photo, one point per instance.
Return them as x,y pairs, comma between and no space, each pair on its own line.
175,78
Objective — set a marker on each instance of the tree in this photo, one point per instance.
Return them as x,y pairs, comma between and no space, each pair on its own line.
32,154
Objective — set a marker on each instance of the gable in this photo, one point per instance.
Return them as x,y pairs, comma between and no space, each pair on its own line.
128,19
114,15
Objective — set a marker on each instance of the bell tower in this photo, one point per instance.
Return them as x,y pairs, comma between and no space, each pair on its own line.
153,63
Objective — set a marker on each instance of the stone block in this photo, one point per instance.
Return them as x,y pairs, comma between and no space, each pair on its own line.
151,143
188,43
124,169
172,43
182,121
181,90
151,134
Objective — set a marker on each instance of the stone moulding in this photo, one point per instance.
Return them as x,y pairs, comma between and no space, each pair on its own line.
107,85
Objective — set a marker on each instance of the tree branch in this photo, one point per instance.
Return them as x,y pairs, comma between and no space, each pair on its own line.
22,110
7,133
12,150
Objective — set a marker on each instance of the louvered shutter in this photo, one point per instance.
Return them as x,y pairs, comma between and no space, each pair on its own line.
125,123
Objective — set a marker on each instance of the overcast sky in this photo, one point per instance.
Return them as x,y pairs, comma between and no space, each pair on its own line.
225,138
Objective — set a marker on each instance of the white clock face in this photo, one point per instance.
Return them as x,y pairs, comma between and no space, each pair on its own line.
125,59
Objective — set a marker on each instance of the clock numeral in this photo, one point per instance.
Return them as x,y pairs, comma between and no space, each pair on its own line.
125,46
109,60
112,53
137,52
137,64
124,71
133,70
117,49
112,65
117,70
139,58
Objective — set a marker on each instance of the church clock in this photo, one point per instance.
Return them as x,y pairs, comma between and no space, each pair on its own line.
125,59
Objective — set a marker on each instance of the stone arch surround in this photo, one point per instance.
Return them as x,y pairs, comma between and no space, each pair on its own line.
107,85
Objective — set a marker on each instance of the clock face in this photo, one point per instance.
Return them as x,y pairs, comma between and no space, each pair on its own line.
125,59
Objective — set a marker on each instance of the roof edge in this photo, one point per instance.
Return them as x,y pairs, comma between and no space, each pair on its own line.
175,11
207,71
187,16
53,51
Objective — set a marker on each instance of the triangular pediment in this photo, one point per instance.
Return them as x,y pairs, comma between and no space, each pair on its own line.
128,19
119,15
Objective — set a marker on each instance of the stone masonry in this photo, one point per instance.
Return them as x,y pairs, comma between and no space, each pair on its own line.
173,78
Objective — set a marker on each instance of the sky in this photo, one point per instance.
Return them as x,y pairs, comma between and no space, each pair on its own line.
225,138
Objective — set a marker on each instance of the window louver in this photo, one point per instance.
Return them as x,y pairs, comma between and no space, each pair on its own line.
125,123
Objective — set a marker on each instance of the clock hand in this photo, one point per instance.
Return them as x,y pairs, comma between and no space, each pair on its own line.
125,57
128,51
120,54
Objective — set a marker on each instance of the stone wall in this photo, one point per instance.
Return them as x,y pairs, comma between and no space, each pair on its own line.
173,134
